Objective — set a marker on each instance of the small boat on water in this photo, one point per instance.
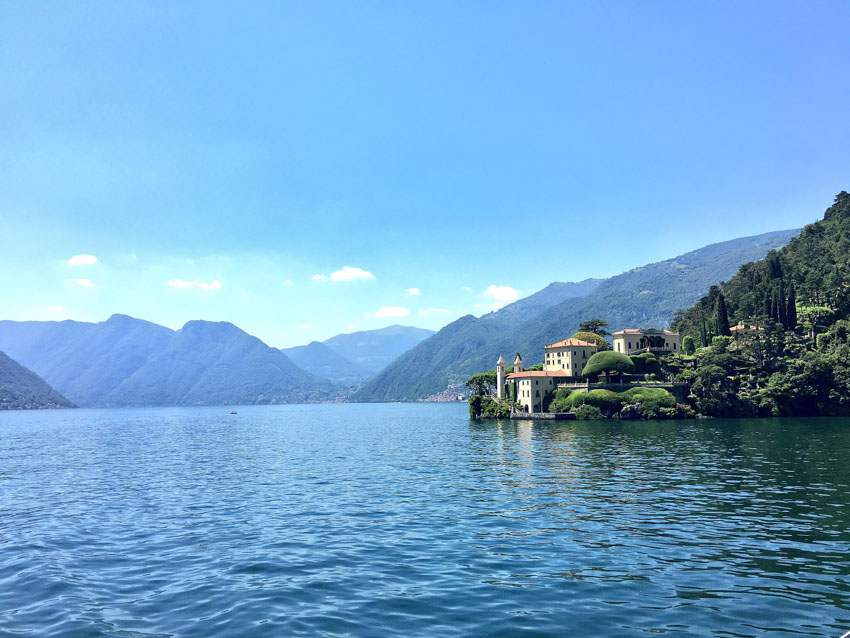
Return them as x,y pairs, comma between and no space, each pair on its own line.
234,412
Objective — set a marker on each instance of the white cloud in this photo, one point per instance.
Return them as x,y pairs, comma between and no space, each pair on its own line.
305,325
190,261
349,273
215,284
467,289
55,308
391,311
350,326
287,282
432,311
504,294
85,283
367,314
319,278
414,291
82,260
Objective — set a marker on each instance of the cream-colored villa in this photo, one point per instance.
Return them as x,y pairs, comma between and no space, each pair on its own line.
631,341
564,361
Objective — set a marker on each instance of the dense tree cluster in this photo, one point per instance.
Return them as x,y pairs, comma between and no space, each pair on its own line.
790,353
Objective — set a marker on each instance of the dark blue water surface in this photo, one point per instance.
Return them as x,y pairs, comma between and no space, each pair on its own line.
411,520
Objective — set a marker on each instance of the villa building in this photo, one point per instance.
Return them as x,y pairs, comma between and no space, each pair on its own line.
632,341
563,361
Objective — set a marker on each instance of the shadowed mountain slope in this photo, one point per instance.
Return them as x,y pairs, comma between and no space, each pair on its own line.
22,389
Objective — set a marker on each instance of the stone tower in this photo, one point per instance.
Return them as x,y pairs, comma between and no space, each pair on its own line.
518,363
500,378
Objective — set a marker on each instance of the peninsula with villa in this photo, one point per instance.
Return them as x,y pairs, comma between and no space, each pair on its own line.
584,364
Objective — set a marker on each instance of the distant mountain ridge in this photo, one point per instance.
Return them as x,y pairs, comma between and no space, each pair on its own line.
319,359
125,361
373,350
22,389
641,297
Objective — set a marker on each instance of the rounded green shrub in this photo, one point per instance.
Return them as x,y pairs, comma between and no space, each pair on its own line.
608,362
607,401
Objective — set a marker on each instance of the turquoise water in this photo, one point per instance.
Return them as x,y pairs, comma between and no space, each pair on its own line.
410,520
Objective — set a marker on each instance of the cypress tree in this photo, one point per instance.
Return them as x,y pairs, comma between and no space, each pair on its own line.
721,316
781,306
791,310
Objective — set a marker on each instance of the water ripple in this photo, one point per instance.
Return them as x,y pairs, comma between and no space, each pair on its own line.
410,520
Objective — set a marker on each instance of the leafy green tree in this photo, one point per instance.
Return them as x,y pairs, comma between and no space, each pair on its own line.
608,362
596,326
688,346
592,337
483,383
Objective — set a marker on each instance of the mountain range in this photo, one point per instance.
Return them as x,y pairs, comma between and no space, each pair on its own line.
642,297
125,361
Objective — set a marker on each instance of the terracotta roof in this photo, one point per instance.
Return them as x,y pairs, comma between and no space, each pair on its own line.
741,326
538,373
638,331
571,342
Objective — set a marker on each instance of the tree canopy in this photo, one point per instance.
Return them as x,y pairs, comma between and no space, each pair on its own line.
593,338
596,326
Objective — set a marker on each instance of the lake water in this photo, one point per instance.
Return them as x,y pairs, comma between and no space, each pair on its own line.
411,520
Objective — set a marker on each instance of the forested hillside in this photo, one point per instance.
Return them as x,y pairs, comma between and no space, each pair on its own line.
775,339
642,297
22,389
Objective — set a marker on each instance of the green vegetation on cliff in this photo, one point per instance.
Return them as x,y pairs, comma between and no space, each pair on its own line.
790,355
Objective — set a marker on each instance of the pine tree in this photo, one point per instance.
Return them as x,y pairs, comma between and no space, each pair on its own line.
721,317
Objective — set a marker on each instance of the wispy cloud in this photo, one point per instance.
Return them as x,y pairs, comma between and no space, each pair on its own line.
349,273
85,283
82,260
433,311
467,288
287,282
414,291
346,273
502,295
215,284
305,325
391,311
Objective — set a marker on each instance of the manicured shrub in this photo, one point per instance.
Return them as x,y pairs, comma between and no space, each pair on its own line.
646,363
589,413
608,362
607,401
649,401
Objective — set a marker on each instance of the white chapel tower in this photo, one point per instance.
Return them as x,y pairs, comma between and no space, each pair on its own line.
500,378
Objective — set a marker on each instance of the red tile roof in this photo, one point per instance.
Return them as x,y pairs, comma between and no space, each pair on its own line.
571,342
538,373
638,331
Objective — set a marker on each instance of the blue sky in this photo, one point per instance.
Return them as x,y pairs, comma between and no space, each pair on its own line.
470,151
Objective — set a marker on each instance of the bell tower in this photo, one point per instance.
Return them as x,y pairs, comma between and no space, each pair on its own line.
518,363
500,378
